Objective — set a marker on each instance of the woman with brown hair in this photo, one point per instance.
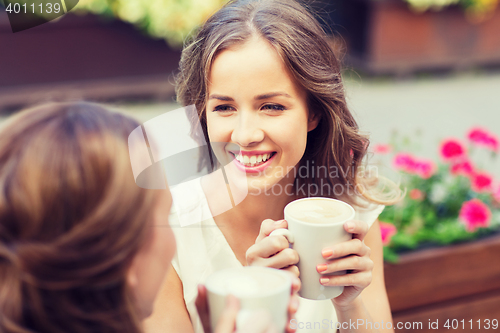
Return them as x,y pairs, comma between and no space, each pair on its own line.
78,251
270,99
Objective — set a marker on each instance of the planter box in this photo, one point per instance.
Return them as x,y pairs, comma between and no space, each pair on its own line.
385,36
82,57
453,282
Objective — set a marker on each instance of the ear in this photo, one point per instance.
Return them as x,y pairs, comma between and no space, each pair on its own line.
313,121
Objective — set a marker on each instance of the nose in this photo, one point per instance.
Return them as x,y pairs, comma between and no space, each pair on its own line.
248,131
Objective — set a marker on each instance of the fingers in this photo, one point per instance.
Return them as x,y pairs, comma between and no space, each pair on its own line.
358,229
359,280
354,246
296,284
294,270
293,304
227,320
291,316
270,246
269,226
354,263
202,308
281,255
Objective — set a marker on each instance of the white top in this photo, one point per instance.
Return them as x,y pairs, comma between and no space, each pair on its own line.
202,250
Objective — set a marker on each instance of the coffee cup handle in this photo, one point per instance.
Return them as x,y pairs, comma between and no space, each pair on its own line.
283,232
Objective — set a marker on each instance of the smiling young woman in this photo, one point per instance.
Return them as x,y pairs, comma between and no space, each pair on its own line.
270,99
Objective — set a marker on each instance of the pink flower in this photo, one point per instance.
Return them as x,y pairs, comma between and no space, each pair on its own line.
475,214
413,165
464,168
382,149
404,161
424,168
482,137
416,194
387,230
452,149
496,194
481,182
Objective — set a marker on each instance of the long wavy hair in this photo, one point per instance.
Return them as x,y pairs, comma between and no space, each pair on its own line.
71,221
336,144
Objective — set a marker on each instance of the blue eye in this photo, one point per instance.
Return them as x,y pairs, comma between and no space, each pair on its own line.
274,107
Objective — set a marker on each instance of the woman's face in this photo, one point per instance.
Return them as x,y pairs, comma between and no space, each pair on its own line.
255,106
151,264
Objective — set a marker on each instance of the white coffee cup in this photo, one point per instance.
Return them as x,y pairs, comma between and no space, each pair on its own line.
310,230
257,289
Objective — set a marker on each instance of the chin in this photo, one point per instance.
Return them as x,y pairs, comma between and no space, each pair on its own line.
146,312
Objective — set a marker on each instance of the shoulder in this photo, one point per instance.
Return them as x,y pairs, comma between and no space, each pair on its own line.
189,204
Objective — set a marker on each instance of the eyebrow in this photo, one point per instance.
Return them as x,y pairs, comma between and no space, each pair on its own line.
258,97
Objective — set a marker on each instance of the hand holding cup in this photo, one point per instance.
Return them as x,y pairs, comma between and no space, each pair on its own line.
352,256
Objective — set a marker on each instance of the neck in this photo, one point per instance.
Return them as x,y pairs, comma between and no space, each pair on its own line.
248,212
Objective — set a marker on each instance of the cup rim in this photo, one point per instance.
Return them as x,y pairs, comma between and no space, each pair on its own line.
315,225
282,287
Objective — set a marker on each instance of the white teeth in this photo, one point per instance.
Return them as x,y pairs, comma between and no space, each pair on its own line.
252,160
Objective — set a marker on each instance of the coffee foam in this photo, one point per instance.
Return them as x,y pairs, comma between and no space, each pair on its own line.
244,283
319,211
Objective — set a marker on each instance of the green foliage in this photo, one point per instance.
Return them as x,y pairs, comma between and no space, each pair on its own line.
476,10
172,20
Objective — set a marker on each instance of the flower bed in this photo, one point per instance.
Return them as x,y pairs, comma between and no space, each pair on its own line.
450,201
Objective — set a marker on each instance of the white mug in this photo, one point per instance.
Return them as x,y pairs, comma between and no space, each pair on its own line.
309,239
257,289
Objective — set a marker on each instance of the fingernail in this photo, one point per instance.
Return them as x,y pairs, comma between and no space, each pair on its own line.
278,222
321,268
327,253
324,280
350,225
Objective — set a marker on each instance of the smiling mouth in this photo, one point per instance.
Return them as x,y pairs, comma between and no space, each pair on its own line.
253,160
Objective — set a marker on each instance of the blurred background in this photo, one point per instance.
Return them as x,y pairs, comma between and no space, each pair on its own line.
416,72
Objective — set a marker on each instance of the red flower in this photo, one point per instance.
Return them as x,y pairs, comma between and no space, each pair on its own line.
387,230
482,137
382,149
475,214
416,194
481,182
464,168
452,149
